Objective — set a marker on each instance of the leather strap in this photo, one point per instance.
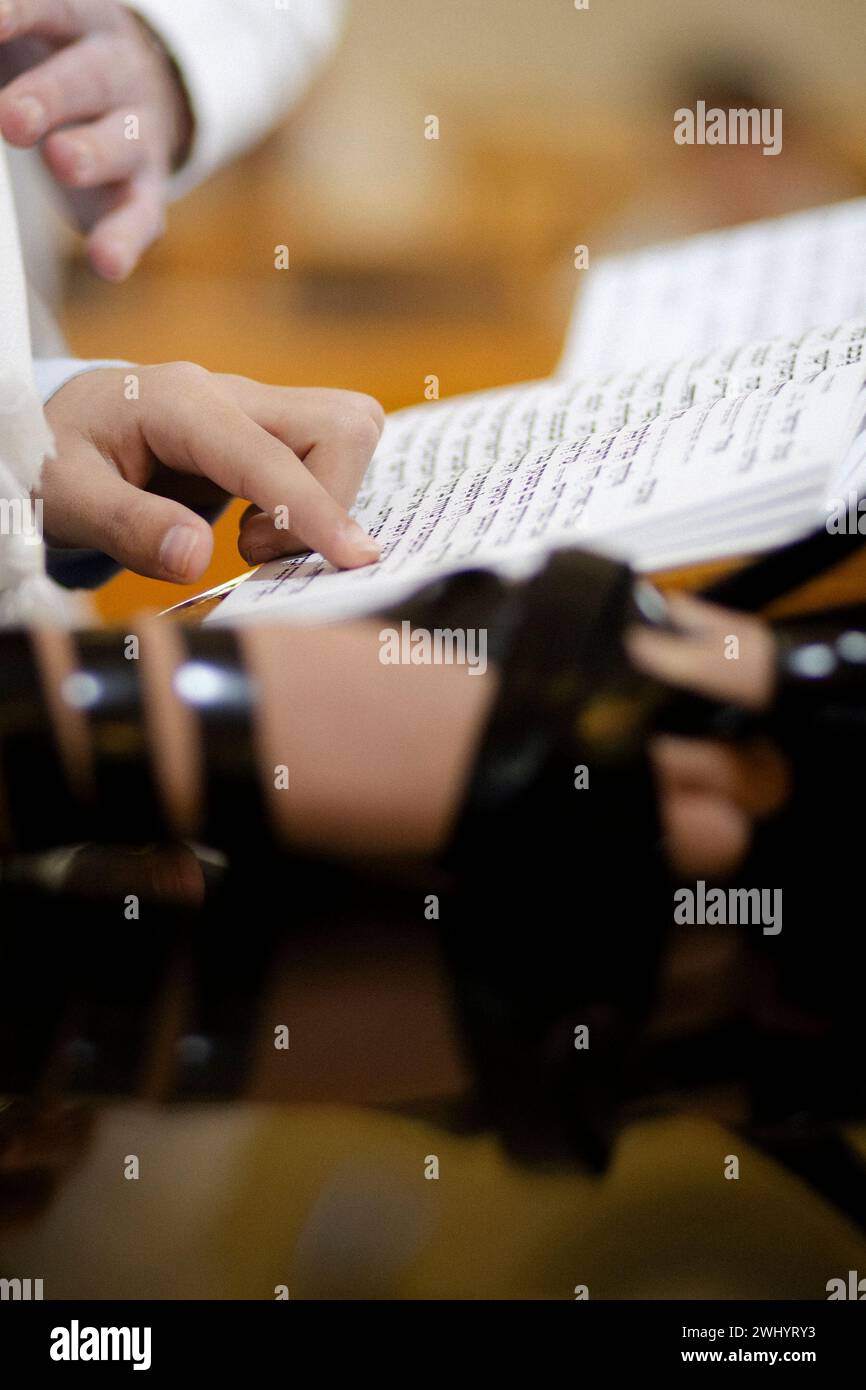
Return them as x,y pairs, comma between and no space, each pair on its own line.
213,681
554,967
43,809
106,686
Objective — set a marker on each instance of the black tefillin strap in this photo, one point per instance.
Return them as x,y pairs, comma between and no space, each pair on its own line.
808,1079
820,679
794,1054
213,1054
38,798
86,1023
214,682
106,688
556,934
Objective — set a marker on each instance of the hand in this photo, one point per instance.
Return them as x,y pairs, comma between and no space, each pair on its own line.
94,91
125,469
711,794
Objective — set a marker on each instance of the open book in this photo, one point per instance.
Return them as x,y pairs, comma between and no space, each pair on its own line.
711,402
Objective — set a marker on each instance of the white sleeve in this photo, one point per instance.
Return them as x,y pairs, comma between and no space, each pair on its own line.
244,64
50,373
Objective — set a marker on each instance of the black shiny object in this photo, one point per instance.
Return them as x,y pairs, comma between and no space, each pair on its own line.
541,942
38,799
214,682
106,688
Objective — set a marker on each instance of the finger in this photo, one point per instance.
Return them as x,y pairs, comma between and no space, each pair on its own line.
121,237
755,778
88,156
339,461
304,418
339,465
734,665
704,835
97,509
84,80
259,540
207,434
60,20
334,432
697,616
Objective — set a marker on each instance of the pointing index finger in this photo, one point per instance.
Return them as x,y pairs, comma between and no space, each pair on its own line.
204,433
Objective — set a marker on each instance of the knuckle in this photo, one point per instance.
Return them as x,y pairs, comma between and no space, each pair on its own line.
186,376
357,427
100,14
377,410
75,13
369,407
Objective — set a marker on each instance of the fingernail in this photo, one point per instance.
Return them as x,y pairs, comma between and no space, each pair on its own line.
360,541
32,115
653,605
259,554
176,550
7,16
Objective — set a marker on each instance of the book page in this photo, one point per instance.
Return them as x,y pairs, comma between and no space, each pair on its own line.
718,477
438,441
709,292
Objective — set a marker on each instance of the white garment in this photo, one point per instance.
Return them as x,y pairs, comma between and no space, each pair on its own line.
26,593
50,373
245,63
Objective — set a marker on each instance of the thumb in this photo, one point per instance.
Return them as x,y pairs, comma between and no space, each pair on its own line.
151,535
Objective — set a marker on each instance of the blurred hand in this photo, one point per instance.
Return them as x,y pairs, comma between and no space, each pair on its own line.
697,656
710,793
127,471
87,82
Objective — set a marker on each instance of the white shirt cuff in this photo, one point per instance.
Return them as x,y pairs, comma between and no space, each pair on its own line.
243,63
50,373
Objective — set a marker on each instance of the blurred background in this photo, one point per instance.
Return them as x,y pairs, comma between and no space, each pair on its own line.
454,257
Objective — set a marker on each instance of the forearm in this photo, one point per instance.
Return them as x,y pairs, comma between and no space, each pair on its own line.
376,756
